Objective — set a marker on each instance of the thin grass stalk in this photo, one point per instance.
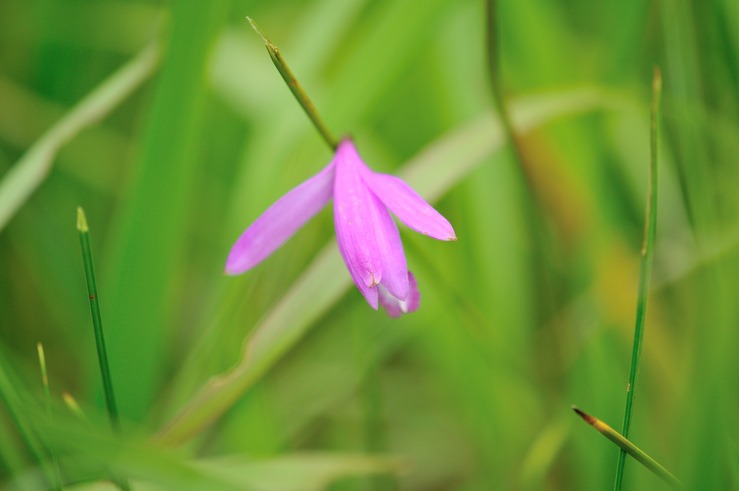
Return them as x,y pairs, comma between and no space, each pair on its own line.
57,482
97,322
295,88
496,83
371,403
647,259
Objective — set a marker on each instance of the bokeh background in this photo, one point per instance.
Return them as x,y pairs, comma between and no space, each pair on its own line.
530,311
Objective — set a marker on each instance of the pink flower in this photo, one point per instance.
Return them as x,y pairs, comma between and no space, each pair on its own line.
368,238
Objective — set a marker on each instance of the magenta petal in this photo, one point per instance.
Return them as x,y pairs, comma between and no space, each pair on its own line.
281,221
409,206
395,307
394,266
355,217
370,293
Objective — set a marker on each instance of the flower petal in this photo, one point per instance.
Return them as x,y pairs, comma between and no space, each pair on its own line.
355,219
394,266
409,206
370,293
396,307
281,221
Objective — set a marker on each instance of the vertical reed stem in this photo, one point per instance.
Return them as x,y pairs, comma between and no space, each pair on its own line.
647,255
97,322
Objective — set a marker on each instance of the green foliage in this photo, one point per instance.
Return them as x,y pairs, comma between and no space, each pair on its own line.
283,378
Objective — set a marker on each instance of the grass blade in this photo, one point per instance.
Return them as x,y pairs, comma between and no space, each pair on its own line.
97,322
647,258
31,170
496,82
629,448
152,223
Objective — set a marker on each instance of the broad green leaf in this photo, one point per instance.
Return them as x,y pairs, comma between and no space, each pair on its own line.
152,221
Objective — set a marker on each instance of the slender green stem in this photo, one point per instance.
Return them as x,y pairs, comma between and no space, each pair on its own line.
97,322
647,254
366,359
295,87
629,448
496,83
47,403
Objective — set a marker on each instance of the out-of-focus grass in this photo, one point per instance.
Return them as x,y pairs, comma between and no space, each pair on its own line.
472,391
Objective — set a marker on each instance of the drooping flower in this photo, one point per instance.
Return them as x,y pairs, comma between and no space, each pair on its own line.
367,236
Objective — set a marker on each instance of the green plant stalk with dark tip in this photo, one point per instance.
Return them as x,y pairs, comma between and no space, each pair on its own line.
97,322
647,258
295,88
629,448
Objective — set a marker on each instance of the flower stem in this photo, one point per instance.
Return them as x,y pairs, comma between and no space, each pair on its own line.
295,88
97,322
647,255
629,448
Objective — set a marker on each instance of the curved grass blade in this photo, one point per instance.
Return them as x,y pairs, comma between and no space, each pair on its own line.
433,172
629,448
30,171
647,258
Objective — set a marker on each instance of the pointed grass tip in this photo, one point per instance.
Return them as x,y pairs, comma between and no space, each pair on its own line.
81,220
72,404
259,31
42,363
588,418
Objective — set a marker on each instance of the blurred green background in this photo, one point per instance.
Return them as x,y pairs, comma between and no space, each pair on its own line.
532,310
